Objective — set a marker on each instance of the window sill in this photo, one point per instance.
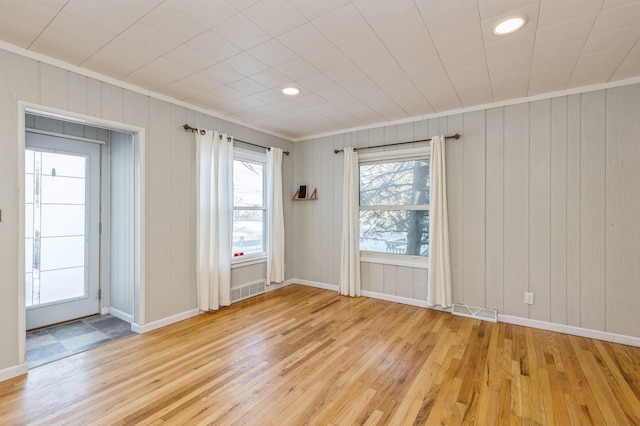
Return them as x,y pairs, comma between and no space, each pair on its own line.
241,263
420,262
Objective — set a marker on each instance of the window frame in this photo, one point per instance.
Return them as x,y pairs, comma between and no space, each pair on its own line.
413,261
250,156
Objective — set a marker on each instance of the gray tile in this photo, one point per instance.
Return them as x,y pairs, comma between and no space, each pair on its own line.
70,330
74,343
97,318
37,333
55,349
92,345
105,323
38,341
118,331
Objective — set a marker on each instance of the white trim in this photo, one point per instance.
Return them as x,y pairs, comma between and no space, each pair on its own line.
516,101
13,371
403,300
569,329
278,286
324,286
22,311
400,154
420,262
154,325
248,262
104,310
119,314
62,135
128,86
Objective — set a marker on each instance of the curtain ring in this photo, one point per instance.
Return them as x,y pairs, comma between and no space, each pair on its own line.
203,132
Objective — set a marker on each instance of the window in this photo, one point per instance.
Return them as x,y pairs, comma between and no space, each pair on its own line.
249,205
394,204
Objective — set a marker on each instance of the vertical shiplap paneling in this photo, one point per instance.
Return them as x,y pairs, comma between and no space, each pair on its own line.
516,209
573,210
389,280
494,250
158,198
53,86
592,211
111,102
302,212
94,101
180,207
623,211
317,221
339,142
454,156
136,109
420,278
77,88
191,189
376,278
404,282
326,209
473,209
540,208
558,251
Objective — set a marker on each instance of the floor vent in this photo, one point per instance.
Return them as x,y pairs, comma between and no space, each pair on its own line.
476,313
248,290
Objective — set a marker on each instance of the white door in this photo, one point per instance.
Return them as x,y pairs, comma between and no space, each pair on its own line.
62,213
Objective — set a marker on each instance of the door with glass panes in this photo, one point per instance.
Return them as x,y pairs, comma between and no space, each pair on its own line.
62,212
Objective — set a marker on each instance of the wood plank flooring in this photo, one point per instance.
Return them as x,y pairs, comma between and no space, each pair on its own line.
301,355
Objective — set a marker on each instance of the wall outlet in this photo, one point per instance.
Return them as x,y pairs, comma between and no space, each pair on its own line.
528,298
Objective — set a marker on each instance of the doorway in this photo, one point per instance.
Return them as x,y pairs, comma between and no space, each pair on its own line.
62,219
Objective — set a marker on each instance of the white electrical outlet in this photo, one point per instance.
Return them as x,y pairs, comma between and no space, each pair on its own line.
528,298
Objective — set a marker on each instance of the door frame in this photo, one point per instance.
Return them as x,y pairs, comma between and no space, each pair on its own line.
139,291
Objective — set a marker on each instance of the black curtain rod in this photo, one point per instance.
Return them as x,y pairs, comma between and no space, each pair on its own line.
202,132
456,136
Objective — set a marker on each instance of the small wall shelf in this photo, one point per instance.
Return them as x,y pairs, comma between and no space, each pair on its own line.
313,196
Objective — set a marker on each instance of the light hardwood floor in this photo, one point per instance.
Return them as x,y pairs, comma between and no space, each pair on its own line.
301,355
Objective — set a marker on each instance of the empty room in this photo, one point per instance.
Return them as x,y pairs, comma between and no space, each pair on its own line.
332,212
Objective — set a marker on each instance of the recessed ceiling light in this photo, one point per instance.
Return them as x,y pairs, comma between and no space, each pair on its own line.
509,25
291,91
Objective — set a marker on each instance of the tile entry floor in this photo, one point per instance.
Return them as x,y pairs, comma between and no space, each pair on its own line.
59,341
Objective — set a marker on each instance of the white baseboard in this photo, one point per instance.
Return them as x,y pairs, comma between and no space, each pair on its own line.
104,310
276,286
569,329
315,284
145,328
119,314
13,371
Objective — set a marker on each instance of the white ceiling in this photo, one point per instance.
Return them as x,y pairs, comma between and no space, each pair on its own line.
357,62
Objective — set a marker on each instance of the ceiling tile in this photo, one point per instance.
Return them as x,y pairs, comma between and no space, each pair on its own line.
345,74
309,99
446,16
190,58
272,78
378,12
328,58
304,39
180,90
465,58
420,51
275,16
402,32
499,8
149,38
270,96
398,86
567,51
577,29
174,24
222,74
434,84
342,24
213,46
623,38
60,39
610,4
597,67
272,53
377,64
316,82
541,80
472,85
630,66
207,13
362,46
458,39
241,32
157,74
241,5
248,86
119,58
297,69
245,64
242,104
510,84
554,12
22,32
510,46
615,19
99,14
311,9
135,9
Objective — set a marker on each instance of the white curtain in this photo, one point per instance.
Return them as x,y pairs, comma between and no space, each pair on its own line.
439,284
350,253
214,219
275,217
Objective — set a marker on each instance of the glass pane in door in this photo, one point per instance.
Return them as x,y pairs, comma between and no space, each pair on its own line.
55,210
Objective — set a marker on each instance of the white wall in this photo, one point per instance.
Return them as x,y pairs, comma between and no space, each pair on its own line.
170,219
543,197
